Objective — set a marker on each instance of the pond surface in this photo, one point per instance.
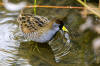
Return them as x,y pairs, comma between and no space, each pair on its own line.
16,51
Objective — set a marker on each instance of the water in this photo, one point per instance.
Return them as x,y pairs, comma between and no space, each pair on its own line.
16,51
60,46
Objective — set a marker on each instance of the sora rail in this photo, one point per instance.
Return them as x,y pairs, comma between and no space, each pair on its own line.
38,28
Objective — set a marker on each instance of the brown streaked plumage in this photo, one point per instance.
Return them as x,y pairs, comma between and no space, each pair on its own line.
38,28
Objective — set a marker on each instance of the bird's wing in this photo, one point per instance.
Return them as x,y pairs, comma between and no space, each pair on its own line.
30,23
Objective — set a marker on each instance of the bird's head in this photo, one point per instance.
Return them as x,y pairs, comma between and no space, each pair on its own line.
58,22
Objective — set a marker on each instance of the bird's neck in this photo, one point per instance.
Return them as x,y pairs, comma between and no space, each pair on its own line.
50,24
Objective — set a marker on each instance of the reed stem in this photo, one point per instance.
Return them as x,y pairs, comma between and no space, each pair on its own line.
34,7
89,8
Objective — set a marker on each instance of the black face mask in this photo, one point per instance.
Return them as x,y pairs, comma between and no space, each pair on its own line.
60,22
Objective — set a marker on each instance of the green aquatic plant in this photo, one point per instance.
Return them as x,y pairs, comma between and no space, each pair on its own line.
35,7
36,47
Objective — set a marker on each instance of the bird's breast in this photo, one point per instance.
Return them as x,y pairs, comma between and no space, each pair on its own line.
44,37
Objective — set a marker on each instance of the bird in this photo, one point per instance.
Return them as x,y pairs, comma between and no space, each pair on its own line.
38,28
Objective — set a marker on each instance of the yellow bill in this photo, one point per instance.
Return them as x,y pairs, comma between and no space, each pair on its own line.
64,29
